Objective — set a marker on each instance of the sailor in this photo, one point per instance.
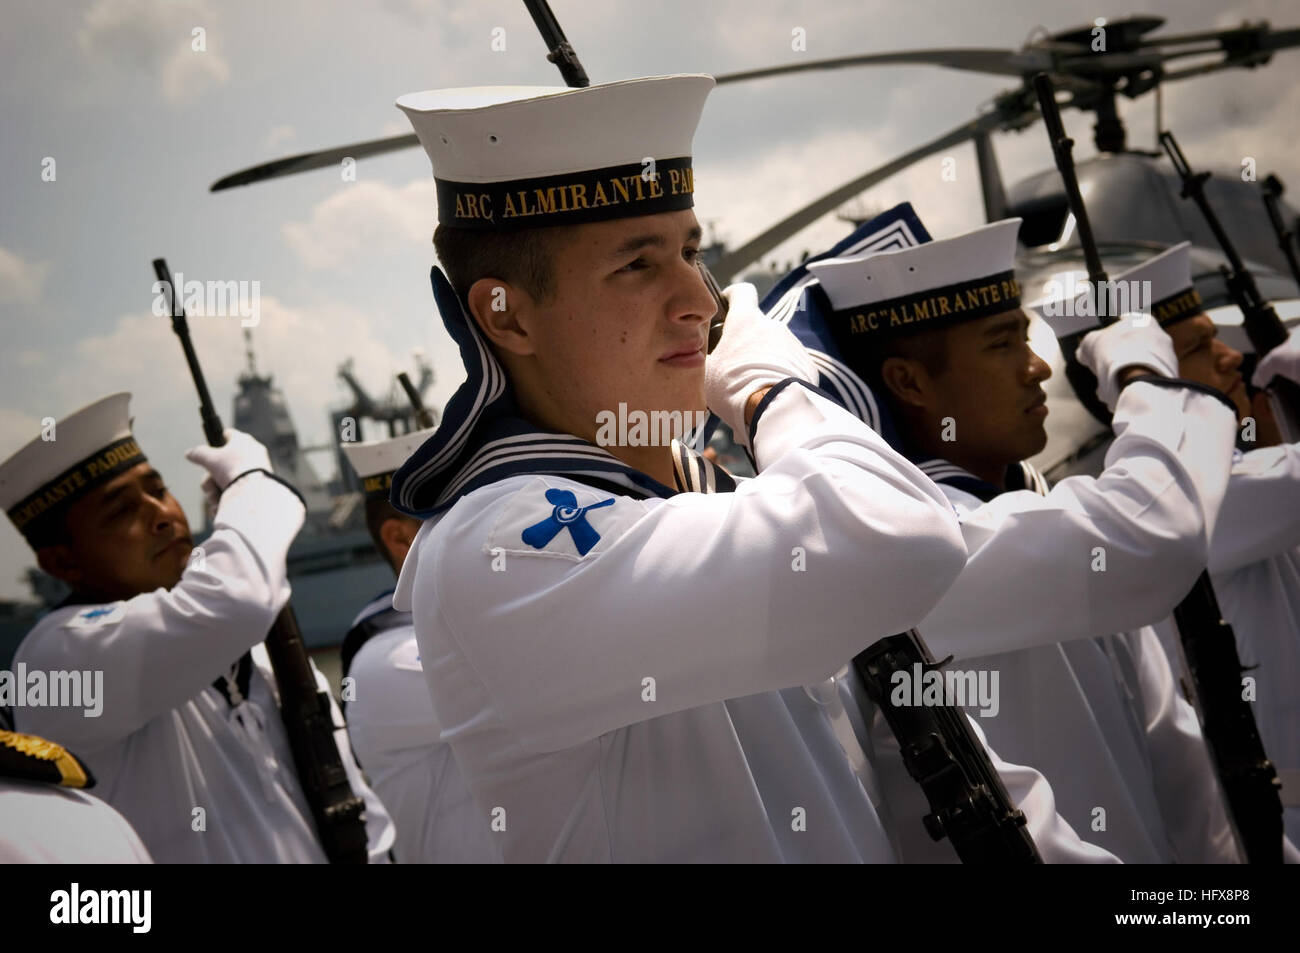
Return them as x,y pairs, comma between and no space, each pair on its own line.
1255,550
184,733
391,721
46,816
937,331
566,581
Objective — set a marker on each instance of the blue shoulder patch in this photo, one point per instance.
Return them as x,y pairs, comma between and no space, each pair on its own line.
565,513
567,522
97,616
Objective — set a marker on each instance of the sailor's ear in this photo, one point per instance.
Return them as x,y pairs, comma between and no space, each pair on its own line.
398,533
906,379
497,307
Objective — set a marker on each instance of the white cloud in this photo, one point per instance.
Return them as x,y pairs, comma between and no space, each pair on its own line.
363,217
157,36
21,280
751,196
187,74
280,134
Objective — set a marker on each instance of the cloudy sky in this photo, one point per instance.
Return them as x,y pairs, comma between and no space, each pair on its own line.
139,124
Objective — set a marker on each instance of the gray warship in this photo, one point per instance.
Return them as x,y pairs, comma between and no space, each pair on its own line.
333,567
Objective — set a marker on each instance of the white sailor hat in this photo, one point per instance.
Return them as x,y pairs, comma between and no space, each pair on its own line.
377,460
85,449
934,284
1173,297
1161,285
508,157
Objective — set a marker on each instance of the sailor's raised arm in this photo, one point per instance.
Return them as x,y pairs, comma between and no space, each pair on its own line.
837,542
158,649
1106,554
1260,516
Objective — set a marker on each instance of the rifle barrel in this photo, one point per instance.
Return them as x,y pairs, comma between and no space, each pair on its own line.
1194,188
1062,151
212,428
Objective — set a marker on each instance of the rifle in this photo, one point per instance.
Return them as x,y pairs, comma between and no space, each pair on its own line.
305,710
423,416
559,51
1273,190
967,799
1249,780
1264,328
968,802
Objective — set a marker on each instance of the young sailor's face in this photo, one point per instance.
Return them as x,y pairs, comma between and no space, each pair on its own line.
127,537
1203,358
992,389
628,321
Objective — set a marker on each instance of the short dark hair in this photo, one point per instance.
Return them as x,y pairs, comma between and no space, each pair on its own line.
929,347
522,257
378,512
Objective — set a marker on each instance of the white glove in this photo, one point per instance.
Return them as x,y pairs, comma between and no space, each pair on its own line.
240,454
1282,361
210,492
1134,340
754,352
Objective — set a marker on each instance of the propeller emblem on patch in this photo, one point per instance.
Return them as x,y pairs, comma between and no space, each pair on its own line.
565,512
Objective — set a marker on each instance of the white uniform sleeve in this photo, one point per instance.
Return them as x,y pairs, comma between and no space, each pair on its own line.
837,542
1095,555
1260,516
161,648
1055,839
381,834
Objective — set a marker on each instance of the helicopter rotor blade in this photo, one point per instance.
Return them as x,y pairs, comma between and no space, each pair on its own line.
1245,46
1246,56
1261,35
314,160
1244,43
736,259
997,62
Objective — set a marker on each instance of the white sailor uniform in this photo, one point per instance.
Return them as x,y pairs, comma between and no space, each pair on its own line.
40,824
611,695
396,737
46,814
1255,567
204,775
1099,717
582,688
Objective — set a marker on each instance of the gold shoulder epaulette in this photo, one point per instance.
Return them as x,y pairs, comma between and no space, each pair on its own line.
29,758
